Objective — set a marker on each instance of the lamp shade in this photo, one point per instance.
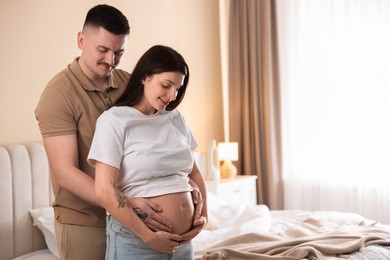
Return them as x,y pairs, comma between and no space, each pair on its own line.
228,151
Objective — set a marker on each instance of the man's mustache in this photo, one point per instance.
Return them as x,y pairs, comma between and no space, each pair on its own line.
107,65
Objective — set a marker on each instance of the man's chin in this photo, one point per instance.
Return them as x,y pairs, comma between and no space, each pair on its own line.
105,74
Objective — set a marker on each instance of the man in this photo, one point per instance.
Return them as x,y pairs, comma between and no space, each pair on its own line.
67,113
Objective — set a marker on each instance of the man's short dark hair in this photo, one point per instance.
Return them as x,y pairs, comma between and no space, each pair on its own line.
109,18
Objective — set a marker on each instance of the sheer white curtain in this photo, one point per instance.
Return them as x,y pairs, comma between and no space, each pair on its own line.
335,57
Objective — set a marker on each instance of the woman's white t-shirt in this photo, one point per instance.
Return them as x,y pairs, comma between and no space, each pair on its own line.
152,152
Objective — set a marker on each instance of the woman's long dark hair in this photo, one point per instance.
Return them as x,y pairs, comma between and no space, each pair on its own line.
157,59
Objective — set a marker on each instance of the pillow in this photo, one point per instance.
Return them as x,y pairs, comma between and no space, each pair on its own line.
43,218
213,201
43,254
222,214
213,204
212,223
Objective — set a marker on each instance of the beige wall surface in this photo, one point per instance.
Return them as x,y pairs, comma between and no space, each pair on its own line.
38,39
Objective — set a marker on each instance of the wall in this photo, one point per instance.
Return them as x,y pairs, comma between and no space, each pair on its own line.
38,39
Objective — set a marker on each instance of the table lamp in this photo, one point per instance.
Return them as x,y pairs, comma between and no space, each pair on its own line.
228,152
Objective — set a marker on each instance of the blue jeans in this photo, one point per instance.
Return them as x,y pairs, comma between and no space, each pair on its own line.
122,244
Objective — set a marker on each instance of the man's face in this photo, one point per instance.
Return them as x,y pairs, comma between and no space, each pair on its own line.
101,52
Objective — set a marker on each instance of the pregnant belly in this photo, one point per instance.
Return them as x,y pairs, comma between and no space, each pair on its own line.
178,208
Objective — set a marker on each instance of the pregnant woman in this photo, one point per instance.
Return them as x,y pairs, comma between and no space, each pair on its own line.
143,148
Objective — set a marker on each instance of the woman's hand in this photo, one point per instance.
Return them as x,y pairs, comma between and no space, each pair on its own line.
198,225
147,210
163,242
197,199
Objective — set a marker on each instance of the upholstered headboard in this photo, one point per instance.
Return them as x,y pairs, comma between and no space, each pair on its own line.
24,185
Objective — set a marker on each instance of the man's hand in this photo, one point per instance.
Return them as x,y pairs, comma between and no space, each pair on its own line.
148,211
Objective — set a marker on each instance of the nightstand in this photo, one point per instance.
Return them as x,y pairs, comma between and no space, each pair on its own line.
240,189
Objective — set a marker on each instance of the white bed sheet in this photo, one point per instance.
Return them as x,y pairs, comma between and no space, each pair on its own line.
260,220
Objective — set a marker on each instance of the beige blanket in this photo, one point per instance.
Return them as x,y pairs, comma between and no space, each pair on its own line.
313,239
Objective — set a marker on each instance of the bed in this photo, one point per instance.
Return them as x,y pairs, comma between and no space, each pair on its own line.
234,231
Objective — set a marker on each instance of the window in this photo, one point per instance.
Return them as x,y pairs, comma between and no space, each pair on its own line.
335,58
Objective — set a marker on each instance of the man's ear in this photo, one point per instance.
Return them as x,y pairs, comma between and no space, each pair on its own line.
80,40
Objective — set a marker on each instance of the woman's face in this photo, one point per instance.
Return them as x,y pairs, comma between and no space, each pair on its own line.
159,90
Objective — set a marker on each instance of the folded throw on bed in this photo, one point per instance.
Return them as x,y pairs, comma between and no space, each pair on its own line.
312,240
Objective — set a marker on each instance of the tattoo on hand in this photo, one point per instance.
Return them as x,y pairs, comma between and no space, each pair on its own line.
140,213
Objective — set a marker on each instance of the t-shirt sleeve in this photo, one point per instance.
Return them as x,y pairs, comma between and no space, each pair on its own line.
190,137
107,143
191,140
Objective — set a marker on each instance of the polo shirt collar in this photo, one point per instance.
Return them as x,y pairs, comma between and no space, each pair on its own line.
85,82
